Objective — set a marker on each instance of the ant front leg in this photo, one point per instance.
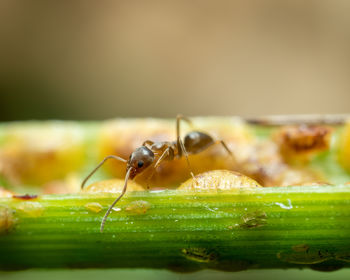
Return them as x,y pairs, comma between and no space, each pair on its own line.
168,154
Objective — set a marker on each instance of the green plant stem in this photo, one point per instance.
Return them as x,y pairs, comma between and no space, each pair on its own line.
183,231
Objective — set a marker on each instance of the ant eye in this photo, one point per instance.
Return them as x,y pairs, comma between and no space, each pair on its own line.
140,163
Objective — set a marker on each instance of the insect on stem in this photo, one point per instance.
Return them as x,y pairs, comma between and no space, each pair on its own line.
152,154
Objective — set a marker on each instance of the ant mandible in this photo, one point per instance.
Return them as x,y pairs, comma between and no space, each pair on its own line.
194,142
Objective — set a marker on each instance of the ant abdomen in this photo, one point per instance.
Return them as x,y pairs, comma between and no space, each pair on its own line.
196,142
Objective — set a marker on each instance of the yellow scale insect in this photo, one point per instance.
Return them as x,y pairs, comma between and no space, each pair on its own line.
156,152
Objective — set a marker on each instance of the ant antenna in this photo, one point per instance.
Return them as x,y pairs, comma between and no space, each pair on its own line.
99,165
115,201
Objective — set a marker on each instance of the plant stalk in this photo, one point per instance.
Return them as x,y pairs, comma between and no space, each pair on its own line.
181,231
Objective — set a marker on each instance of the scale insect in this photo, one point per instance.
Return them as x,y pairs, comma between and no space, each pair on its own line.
154,153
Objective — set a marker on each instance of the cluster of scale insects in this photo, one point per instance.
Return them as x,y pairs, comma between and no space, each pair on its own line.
154,153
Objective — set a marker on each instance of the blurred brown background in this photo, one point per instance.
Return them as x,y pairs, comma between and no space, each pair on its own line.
103,59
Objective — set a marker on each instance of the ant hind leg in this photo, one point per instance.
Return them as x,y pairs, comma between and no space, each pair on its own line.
226,148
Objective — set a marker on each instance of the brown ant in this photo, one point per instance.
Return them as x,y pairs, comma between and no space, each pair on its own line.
150,152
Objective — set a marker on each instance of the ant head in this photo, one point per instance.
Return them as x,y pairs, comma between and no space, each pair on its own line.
139,160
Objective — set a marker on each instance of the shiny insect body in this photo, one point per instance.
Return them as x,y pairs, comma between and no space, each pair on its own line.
154,153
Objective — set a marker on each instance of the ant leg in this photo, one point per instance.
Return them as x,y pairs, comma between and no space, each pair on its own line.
226,148
148,143
99,165
115,201
178,137
149,178
182,147
160,159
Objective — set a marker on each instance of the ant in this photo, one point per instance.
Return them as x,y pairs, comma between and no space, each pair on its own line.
194,142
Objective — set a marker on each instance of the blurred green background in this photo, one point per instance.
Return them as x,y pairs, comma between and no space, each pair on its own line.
103,59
